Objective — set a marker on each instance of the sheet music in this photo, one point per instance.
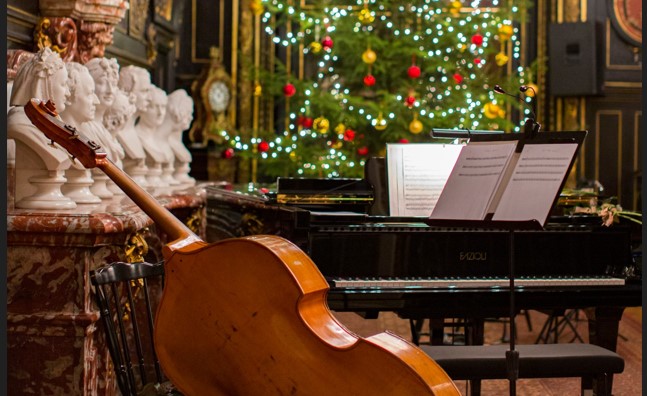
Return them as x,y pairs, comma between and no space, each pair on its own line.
535,182
417,174
474,181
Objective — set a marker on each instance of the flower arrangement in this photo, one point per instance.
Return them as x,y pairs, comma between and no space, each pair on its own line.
610,212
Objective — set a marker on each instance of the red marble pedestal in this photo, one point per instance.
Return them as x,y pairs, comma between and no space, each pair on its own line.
55,342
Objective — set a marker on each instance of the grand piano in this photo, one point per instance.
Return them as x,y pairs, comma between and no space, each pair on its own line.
375,262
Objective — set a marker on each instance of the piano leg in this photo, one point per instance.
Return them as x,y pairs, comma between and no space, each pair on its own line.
603,331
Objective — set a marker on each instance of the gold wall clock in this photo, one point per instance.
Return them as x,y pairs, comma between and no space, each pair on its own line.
212,94
626,16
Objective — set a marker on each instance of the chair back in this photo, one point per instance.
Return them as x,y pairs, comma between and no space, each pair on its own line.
126,295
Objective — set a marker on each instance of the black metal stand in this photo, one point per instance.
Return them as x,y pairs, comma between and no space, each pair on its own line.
512,355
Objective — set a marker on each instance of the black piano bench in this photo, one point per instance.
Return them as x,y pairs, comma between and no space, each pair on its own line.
482,362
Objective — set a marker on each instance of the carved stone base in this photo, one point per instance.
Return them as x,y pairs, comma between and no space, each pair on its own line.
55,340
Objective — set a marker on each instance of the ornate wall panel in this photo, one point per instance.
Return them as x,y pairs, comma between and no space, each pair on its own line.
611,153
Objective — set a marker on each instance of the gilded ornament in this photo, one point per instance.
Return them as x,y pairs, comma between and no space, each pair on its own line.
492,111
340,128
321,125
136,247
369,56
415,126
315,47
505,32
380,123
256,6
501,59
194,221
365,16
258,89
532,89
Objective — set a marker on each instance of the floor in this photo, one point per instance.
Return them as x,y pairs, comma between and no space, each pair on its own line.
628,383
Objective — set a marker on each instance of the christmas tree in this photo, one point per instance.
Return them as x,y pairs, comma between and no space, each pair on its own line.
381,72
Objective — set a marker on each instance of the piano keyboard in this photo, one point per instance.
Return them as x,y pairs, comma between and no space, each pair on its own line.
474,283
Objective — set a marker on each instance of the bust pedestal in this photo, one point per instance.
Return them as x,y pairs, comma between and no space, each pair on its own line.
54,337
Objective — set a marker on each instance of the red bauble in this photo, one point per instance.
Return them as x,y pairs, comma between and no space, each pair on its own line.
263,147
289,90
410,100
477,39
362,150
326,42
413,71
458,78
228,153
477,61
307,122
369,80
403,141
349,135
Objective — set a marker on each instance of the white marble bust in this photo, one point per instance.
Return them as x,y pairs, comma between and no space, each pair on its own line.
79,109
115,119
122,110
179,115
39,167
148,132
105,73
136,81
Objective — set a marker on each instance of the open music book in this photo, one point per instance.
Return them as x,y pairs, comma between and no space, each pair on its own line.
507,180
417,174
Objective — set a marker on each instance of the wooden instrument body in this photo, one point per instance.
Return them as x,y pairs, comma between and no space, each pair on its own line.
248,316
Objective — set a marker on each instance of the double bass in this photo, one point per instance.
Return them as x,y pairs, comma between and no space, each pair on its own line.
248,316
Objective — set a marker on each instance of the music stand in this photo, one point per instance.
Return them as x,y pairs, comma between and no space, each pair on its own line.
512,355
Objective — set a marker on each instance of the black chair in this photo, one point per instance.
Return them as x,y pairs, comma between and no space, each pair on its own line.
127,295
482,362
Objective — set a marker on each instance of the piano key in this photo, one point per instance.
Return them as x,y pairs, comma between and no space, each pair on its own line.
476,283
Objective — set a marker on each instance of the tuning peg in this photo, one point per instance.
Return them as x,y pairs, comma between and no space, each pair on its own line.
73,159
49,105
72,129
51,143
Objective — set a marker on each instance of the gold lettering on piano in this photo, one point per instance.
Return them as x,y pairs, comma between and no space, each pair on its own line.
473,256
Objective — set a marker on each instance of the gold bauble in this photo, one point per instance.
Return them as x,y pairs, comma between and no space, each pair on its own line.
336,144
380,123
256,6
321,125
505,32
365,16
501,59
492,110
532,89
455,8
293,156
315,47
340,128
415,126
369,56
